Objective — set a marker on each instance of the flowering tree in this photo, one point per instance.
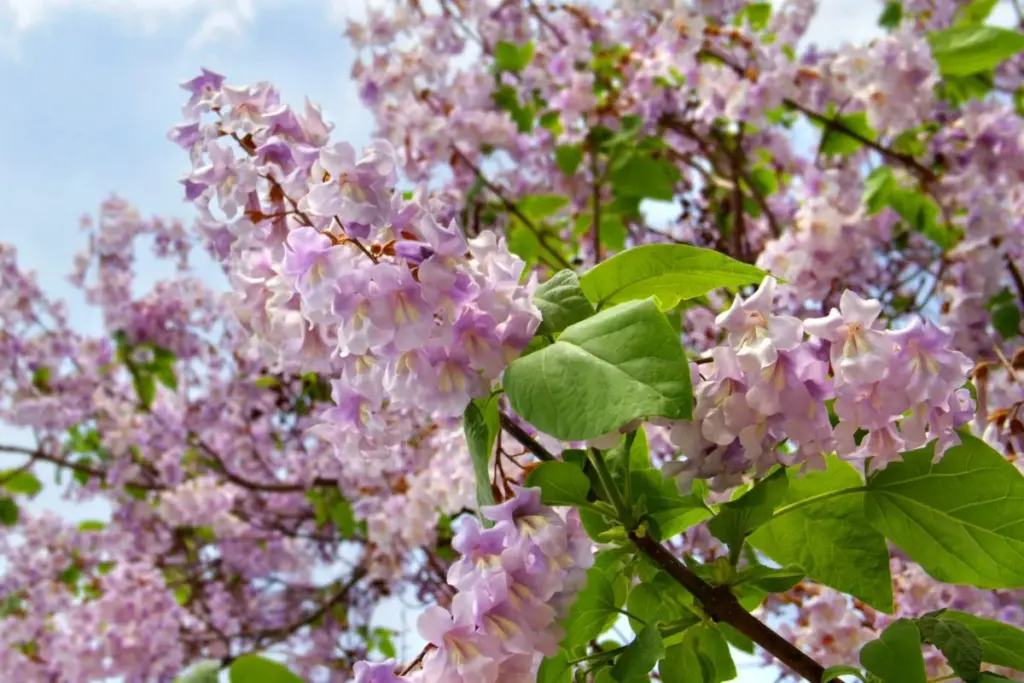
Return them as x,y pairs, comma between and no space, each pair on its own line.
782,418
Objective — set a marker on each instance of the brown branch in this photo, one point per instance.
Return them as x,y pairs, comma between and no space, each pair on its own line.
546,23
907,160
718,601
722,605
1015,275
527,441
37,455
510,206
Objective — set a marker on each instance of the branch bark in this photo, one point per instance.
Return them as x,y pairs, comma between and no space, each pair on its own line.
722,605
718,601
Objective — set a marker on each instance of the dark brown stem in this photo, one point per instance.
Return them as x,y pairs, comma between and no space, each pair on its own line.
910,162
546,23
718,601
510,206
722,605
1018,281
527,441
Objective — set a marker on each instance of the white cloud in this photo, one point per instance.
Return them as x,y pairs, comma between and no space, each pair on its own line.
214,19
344,10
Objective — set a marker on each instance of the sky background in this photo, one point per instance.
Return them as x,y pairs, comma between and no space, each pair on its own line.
90,90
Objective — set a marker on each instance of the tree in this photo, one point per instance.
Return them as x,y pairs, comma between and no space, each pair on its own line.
518,394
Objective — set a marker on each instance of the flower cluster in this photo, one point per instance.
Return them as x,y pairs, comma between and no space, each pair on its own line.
224,524
336,273
777,378
515,581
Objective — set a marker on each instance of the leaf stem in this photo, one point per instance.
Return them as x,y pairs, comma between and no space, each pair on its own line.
611,491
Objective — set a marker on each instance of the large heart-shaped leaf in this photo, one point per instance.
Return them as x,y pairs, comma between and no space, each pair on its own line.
670,272
959,518
622,364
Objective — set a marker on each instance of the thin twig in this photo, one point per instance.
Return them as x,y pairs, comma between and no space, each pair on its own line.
510,206
527,441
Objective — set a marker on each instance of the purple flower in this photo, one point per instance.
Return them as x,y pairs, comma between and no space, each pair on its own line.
463,654
757,334
383,672
354,189
204,88
534,521
926,365
315,265
481,552
397,305
858,352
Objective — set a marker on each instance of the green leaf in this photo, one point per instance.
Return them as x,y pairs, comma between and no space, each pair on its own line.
644,176
670,272
956,641
41,379
647,603
878,186
891,15
256,669
1006,320
165,374
769,579
593,612
266,382
561,302
757,13
896,656
737,519
182,594
764,181
834,672
343,516
622,364
640,656
568,158
959,90
512,57
737,639
1001,644
964,50
203,672
975,12
702,657
385,643
881,190
92,525
23,482
145,387
836,142
560,483
8,511
555,669
480,422
538,206
672,512
959,518
831,540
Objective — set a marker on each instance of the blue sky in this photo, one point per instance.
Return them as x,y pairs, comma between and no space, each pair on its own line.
90,90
